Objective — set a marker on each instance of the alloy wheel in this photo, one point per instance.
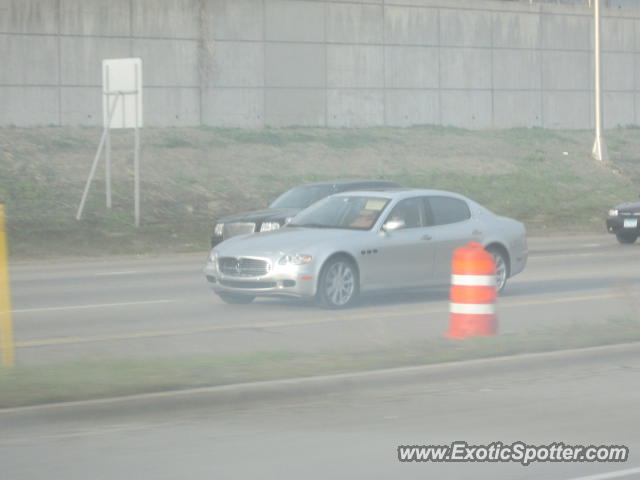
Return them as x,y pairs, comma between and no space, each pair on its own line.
339,284
501,270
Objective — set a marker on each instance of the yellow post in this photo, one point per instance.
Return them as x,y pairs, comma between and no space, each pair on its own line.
6,327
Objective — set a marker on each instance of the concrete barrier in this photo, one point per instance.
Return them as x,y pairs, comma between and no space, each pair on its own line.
254,63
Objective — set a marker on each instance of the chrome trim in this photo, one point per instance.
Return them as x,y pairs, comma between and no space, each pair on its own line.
243,266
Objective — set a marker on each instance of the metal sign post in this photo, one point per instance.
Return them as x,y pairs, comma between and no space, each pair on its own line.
107,163
96,160
122,108
136,158
599,151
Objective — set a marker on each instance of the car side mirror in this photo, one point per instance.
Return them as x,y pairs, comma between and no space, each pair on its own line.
392,225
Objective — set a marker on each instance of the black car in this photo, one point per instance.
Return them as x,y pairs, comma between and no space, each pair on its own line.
288,205
624,221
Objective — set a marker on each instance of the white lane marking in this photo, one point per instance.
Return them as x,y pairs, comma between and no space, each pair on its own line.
95,305
108,274
567,255
605,476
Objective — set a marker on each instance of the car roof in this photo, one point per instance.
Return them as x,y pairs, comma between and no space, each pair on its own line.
401,193
346,183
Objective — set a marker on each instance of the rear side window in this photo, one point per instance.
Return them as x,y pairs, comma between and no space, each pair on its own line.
445,210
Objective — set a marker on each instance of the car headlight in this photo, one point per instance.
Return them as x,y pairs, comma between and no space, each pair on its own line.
217,231
297,259
613,212
269,226
213,256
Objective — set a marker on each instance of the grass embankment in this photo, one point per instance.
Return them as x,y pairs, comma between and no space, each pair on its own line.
190,176
29,385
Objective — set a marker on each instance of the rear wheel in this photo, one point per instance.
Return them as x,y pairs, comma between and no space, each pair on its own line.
626,237
338,286
236,299
502,267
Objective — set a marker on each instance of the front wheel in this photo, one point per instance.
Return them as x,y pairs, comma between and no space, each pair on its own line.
626,238
338,286
502,267
236,299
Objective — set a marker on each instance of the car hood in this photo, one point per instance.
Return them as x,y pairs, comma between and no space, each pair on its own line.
631,207
286,240
268,214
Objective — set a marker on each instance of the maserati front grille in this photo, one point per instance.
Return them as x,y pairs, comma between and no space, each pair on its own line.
243,266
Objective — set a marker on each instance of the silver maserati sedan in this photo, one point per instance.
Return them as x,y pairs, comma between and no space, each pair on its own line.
359,242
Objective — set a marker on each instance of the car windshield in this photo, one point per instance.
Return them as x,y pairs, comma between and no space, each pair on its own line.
349,212
302,197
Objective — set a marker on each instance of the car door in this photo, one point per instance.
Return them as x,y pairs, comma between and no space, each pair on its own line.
452,226
402,257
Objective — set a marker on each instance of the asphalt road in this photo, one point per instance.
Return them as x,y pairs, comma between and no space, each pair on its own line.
162,306
345,433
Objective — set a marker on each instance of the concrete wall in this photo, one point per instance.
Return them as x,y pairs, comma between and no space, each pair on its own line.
254,63
632,4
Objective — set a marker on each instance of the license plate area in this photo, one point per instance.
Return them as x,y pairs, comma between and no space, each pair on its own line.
630,223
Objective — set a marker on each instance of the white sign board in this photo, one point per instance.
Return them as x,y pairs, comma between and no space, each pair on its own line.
122,92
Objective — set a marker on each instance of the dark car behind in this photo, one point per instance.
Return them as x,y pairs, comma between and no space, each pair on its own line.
624,222
287,206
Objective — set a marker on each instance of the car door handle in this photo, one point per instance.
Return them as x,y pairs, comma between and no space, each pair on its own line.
476,232
426,237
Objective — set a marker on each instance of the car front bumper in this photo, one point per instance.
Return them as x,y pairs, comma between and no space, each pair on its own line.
292,280
617,225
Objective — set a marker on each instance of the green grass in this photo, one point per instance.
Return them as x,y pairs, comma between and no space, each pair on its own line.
54,141
536,136
332,138
174,142
190,176
28,385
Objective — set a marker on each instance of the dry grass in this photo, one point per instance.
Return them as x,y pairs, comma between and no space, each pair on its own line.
193,175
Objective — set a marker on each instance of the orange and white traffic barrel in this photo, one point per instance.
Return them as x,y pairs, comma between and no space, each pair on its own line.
473,293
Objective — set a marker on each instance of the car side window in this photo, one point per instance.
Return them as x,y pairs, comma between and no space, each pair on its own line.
410,211
445,210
